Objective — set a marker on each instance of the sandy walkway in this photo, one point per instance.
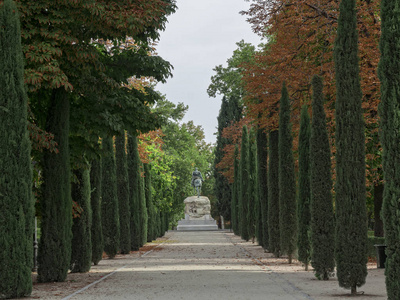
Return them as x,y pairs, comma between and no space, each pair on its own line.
207,265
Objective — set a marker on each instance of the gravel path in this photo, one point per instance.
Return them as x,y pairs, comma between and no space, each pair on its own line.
194,265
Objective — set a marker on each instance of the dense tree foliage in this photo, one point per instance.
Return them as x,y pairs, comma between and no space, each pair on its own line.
244,188
95,203
109,202
151,211
389,113
287,181
81,251
322,218
262,171
253,204
303,202
123,194
16,199
235,195
351,222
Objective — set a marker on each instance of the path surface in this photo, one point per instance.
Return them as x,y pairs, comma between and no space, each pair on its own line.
202,265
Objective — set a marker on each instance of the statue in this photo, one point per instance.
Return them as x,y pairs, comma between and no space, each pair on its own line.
197,181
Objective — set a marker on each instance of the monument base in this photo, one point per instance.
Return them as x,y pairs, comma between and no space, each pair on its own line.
197,225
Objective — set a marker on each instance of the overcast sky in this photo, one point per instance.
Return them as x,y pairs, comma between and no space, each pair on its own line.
199,36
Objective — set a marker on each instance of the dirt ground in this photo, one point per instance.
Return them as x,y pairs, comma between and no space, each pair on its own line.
202,265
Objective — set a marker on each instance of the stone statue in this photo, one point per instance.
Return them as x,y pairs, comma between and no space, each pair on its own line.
197,181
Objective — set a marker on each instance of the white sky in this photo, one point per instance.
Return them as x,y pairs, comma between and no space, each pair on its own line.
199,36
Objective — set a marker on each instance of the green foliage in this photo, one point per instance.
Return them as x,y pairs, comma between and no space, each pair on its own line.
244,193
54,256
390,137
273,194
351,223
287,181
123,194
151,222
16,199
109,204
81,254
303,203
95,201
262,161
235,194
322,217
253,204
142,208
134,191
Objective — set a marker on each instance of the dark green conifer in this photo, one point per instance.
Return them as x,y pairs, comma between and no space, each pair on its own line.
244,185
389,111
134,191
287,181
262,159
54,256
149,204
322,218
351,216
143,209
253,207
95,201
16,200
81,254
303,204
109,203
123,194
273,194
235,194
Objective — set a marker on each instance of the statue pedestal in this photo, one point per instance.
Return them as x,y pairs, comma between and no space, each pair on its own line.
197,215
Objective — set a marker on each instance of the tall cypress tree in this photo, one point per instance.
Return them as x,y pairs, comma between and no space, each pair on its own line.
16,200
134,193
244,185
81,254
253,207
230,111
54,256
95,202
287,182
389,111
262,159
273,194
109,203
351,222
143,208
123,194
303,204
322,218
235,194
149,204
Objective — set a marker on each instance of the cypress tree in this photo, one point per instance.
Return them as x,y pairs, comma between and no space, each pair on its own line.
54,255
303,204
134,194
95,201
143,208
123,194
322,218
109,203
287,182
273,194
244,185
149,204
262,160
389,111
81,254
351,225
235,194
253,207
16,200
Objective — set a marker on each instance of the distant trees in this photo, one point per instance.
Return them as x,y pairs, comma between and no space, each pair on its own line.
235,221
95,203
351,214
16,199
253,210
244,194
262,172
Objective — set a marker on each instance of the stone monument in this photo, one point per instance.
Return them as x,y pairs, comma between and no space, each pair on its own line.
197,210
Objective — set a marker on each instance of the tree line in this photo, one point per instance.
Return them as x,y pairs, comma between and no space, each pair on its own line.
322,212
